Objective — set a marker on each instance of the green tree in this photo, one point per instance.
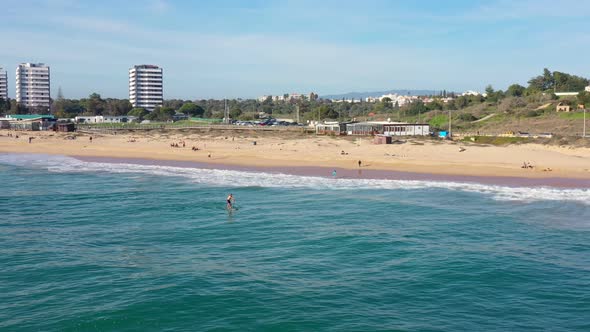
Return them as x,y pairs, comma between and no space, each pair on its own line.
4,105
94,104
67,108
324,112
60,94
568,83
467,117
584,98
542,82
434,105
492,95
515,90
461,102
173,103
416,107
379,108
161,114
450,105
192,109
235,113
138,112
117,107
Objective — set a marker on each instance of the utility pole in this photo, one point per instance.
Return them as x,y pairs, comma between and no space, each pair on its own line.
297,113
584,134
450,132
225,112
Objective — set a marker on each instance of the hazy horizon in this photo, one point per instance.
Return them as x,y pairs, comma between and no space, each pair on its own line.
237,49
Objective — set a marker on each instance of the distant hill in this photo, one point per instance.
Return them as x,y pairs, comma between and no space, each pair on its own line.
357,95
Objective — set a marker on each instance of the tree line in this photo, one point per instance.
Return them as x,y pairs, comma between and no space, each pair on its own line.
248,109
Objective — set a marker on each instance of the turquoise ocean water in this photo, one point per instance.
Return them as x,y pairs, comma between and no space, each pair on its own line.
96,247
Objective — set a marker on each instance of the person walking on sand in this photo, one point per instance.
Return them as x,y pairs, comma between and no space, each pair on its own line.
230,200
360,163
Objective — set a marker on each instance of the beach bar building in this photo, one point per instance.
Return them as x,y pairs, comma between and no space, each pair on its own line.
331,128
382,139
406,129
327,129
65,127
33,122
365,128
386,128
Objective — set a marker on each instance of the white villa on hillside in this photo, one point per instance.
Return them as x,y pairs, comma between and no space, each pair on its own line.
473,93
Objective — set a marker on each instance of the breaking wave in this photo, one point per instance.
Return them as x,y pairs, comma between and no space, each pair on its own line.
233,178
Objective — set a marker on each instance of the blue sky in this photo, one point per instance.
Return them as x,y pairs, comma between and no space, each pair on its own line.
229,48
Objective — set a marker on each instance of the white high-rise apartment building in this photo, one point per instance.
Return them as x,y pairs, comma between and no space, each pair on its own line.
32,85
3,84
145,86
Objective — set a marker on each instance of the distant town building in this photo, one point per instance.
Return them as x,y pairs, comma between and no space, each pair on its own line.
562,107
472,93
350,100
146,86
3,84
566,94
33,85
289,97
399,100
587,88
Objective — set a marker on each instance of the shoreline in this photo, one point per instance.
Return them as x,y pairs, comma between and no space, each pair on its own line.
344,173
318,156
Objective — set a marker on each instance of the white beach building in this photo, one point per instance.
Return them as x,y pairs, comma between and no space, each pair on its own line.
105,119
33,85
3,84
146,86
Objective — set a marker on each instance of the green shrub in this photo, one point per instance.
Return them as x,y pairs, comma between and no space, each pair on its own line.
467,117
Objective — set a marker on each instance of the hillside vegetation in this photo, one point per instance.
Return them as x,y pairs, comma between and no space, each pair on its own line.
526,109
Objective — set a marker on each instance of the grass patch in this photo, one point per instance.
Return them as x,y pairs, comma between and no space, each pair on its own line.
438,121
573,115
496,140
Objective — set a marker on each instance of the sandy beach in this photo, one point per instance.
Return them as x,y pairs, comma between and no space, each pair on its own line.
253,149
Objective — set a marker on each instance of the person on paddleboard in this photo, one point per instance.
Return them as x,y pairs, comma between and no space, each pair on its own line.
230,200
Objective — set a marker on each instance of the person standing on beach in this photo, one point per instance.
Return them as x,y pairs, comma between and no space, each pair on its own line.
230,200
334,173
360,163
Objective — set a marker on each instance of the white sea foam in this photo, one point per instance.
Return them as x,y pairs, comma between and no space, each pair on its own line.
232,178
